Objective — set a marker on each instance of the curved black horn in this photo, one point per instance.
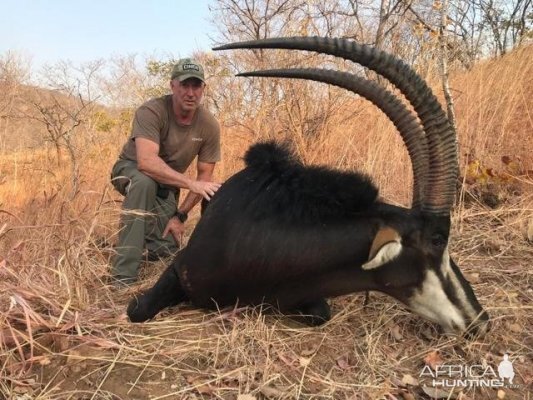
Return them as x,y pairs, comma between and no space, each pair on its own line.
405,121
440,186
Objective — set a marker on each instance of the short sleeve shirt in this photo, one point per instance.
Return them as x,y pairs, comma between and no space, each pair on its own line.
178,144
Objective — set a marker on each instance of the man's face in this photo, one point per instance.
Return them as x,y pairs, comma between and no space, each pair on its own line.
188,93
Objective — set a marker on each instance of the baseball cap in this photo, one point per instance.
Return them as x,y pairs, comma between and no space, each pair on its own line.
187,68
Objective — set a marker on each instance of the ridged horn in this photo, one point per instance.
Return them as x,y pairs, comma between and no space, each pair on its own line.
403,119
443,171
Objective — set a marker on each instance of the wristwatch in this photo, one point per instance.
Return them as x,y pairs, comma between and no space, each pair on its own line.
181,216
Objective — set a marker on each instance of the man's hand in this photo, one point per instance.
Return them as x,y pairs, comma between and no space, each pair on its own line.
204,189
176,229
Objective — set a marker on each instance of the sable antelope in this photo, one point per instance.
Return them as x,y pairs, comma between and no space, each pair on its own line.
282,233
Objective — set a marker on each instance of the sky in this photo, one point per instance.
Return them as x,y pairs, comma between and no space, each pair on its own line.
84,30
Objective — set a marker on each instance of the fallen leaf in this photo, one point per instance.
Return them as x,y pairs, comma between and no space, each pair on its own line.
304,362
42,360
22,389
343,363
73,357
123,317
428,333
204,389
472,277
16,248
196,382
409,380
395,331
437,393
45,361
61,342
516,328
433,359
287,358
76,369
246,397
271,391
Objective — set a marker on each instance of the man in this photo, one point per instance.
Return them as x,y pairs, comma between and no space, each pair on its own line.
167,134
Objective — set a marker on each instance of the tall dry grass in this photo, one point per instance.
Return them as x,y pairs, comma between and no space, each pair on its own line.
64,334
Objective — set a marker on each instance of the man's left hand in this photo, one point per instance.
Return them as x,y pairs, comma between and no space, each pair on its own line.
176,228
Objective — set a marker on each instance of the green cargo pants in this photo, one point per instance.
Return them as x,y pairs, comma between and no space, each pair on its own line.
145,213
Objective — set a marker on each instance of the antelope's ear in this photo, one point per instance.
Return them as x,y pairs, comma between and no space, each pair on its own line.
387,245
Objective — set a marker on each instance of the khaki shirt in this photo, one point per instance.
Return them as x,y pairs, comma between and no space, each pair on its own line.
178,144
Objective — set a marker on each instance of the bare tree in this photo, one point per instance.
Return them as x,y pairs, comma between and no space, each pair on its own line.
132,79
14,73
489,27
277,107
64,108
507,20
443,42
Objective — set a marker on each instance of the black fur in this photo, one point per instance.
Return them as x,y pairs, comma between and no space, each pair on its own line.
280,233
272,156
281,187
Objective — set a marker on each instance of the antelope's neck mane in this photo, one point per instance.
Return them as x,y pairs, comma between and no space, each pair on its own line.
281,188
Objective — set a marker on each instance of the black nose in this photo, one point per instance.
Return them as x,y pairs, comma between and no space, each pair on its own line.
479,327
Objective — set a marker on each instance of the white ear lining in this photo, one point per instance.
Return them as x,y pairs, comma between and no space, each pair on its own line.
388,252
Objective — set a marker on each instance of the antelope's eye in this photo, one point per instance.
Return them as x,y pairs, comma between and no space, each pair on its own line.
438,240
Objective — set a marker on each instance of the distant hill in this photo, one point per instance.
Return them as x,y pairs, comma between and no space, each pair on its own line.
31,115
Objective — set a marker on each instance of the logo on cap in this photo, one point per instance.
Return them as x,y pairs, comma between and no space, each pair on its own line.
191,67
187,68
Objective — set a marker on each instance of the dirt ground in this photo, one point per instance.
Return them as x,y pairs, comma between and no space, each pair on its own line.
364,352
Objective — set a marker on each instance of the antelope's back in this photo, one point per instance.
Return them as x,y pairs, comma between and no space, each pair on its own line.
276,220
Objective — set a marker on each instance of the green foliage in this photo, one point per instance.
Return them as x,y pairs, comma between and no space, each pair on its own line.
160,70
124,120
103,122
491,186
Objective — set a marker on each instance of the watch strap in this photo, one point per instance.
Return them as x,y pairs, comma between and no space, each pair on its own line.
181,216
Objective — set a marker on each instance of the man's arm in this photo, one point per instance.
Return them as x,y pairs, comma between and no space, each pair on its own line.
149,163
204,174
175,227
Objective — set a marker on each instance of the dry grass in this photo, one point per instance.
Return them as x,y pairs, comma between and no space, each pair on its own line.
64,334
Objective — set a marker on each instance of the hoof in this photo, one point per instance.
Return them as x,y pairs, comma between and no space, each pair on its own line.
314,313
313,320
137,310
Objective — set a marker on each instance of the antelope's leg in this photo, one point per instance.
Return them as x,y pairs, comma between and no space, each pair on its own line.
165,293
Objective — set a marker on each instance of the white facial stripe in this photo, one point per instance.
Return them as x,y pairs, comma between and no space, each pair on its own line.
460,293
387,253
445,266
432,302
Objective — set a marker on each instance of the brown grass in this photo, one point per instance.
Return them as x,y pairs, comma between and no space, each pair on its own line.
64,334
